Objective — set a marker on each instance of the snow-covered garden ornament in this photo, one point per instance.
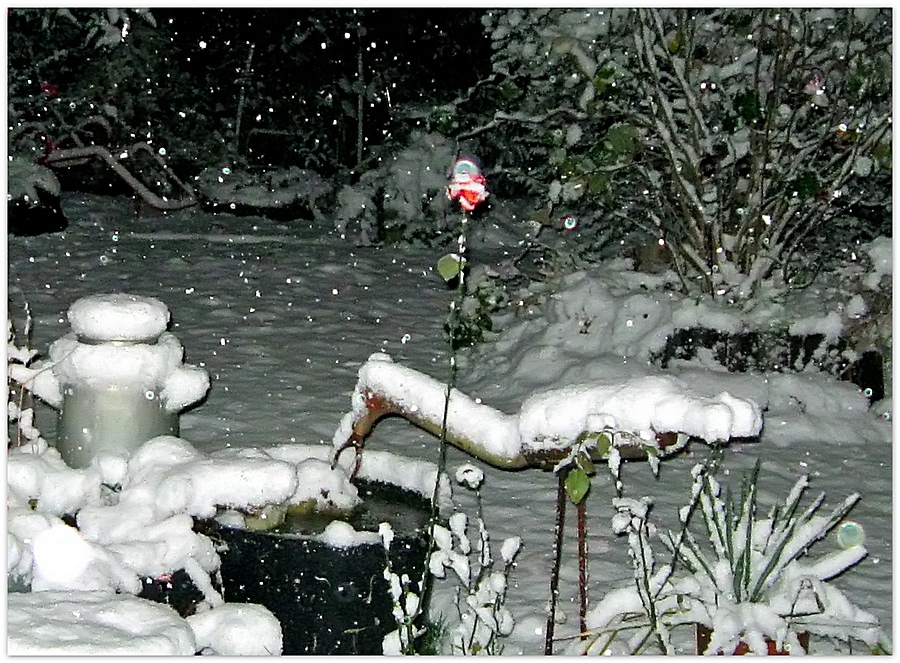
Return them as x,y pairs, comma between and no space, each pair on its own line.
117,378
467,184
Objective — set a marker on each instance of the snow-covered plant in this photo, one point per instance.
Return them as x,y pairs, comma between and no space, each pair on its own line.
750,141
18,413
403,199
605,444
745,577
474,319
407,603
27,181
111,50
480,599
295,191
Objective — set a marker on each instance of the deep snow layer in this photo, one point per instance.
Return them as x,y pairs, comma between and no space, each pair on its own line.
283,315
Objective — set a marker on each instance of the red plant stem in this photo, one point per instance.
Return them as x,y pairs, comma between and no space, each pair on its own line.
554,573
582,565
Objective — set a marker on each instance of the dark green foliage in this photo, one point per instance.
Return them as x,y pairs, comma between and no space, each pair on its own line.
473,322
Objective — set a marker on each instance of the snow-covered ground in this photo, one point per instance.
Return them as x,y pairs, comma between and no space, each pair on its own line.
282,316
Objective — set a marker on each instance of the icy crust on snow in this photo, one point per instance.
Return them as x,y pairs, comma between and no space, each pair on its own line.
85,623
555,418
118,317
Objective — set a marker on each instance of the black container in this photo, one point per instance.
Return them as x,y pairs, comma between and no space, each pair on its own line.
329,600
176,590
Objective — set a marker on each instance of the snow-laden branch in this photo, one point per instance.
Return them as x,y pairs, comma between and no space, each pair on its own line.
678,67
79,155
500,116
638,412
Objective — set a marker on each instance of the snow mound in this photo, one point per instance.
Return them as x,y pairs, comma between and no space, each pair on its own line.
82,623
46,481
146,528
223,631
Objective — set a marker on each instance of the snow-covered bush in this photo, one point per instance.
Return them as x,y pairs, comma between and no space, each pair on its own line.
294,192
745,577
67,65
481,618
27,181
404,198
748,141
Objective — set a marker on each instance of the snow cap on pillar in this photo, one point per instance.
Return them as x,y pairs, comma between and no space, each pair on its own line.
118,317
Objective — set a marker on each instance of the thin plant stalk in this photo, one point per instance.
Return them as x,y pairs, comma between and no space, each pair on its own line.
581,511
245,74
455,308
561,499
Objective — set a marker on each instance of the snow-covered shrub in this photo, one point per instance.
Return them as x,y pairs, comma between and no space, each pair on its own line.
407,602
748,141
295,192
481,588
27,180
404,198
866,284
481,618
483,298
745,577
69,64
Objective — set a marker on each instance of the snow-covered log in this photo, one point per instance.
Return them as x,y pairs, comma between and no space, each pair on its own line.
649,411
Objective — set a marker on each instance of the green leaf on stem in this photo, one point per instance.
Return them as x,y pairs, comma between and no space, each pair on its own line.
450,266
577,484
585,464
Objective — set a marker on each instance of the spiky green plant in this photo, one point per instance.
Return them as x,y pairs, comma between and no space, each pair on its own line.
746,576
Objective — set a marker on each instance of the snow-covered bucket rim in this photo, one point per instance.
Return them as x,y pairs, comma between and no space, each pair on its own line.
412,476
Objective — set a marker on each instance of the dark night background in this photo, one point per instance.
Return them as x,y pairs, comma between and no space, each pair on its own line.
297,87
